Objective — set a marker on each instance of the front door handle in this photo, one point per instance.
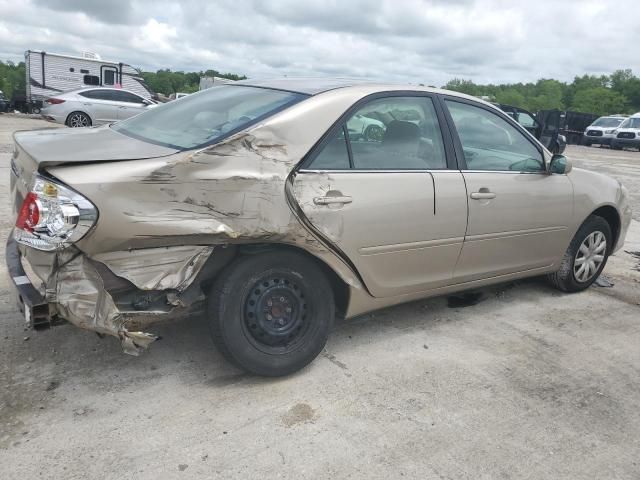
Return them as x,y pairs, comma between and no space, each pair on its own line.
332,200
483,194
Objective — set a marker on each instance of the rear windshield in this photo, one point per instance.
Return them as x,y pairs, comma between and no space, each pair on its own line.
206,117
607,122
631,123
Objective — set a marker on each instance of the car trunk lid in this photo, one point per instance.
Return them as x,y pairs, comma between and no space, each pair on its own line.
50,147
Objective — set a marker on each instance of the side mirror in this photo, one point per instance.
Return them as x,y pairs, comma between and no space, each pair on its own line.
560,164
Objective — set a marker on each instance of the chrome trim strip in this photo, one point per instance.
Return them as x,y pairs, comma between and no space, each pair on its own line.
401,247
514,233
355,170
512,172
435,170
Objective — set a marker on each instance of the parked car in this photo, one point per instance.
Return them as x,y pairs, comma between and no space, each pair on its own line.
365,128
544,129
4,103
251,201
628,133
94,106
602,131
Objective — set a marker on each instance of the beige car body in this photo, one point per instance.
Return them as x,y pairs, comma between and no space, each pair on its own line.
169,222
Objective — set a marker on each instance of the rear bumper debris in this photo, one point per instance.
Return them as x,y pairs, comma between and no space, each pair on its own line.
115,294
30,301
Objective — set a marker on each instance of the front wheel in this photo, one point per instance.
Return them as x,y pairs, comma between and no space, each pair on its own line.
271,313
586,256
373,133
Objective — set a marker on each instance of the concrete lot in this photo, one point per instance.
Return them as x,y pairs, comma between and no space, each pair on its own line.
529,383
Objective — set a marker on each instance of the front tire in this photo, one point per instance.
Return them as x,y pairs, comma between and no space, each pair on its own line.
586,256
271,313
78,120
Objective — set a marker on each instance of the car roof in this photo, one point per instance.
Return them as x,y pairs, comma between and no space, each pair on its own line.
317,85
305,85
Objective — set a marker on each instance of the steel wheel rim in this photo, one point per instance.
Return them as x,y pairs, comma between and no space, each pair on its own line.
590,256
275,314
78,120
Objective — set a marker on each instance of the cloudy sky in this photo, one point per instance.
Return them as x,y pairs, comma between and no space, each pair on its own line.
418,41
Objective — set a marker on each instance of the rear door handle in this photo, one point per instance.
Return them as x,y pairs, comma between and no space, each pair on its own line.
332,200
483,194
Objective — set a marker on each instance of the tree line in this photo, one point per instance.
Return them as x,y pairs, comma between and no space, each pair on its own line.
167,82
602,95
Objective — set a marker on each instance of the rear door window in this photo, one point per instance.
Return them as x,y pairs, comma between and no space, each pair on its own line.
334,155
390,133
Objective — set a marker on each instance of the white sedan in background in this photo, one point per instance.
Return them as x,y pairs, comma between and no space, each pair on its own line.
94,106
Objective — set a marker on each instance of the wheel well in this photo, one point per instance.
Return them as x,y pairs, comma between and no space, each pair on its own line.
610,214
340,288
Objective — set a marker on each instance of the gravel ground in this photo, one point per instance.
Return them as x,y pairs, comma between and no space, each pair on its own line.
528,383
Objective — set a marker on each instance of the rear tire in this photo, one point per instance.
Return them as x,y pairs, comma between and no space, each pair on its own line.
585,252
271,313
78,120
373,133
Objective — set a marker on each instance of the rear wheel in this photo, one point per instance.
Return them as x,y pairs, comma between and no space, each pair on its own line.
78,119
586,256
271,313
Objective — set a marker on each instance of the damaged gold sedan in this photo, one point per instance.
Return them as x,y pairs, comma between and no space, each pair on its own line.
276,206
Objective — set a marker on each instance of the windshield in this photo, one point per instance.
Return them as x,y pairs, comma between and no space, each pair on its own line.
206,117
607,122
631,123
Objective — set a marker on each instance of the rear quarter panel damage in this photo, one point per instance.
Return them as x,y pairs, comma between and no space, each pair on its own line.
160,218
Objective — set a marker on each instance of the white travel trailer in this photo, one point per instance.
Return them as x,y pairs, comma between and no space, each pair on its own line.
208,82
51,73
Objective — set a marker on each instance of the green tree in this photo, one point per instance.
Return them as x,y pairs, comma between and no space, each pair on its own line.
511,96
463,86
599,100
626,83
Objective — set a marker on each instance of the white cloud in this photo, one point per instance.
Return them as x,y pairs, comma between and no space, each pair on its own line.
398,40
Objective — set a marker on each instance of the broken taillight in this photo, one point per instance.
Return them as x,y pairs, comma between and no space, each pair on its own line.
53,216
29,213
54,101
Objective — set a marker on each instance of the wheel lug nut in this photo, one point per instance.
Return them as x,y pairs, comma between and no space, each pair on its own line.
270,303
269,317
282,299
288,310
281,321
